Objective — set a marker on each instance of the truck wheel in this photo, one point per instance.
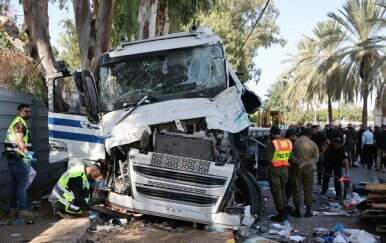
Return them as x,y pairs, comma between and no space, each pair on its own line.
248,192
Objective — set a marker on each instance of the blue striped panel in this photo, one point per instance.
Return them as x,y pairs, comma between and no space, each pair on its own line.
76,137
67,123
64,122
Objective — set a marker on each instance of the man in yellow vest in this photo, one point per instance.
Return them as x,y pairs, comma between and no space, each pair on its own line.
19,158
278,153
71,193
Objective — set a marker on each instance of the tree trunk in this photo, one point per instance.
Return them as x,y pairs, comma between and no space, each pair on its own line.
147,16
143,19
329,103
162,23
365,97
152,18
36,19
94,30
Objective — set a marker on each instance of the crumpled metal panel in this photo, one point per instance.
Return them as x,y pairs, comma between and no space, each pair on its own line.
224,112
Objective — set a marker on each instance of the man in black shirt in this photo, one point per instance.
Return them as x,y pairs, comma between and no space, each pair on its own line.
359,144
331,133
350,143
335,154
381,144
320,139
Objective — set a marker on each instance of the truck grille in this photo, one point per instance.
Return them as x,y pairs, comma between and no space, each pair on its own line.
180,163
177,196
185,178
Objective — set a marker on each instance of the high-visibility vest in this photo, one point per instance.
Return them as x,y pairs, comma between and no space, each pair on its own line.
61,193
282,151
10,143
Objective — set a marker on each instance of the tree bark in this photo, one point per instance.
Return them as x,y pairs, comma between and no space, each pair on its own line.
153,18
143,20
36,19
162,23
94,30
365,96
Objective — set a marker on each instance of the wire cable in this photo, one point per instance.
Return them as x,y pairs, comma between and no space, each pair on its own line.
254,26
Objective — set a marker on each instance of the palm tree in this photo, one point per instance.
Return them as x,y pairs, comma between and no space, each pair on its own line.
309,80
360,21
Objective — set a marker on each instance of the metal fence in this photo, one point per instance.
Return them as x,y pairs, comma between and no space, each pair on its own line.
47,174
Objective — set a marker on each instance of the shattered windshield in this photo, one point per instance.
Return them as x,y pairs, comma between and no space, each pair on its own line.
172,72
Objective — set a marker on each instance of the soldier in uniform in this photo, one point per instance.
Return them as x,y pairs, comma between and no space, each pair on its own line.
304,156
278,153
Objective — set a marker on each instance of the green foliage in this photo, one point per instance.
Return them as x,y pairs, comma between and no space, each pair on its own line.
233,22
21,73
4,42
69,42
125,21
187,12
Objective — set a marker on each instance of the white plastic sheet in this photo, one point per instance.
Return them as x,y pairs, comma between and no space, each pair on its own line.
31,176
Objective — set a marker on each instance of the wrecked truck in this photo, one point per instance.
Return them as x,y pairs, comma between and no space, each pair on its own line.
170,117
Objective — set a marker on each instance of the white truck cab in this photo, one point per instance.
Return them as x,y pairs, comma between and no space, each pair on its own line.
169,115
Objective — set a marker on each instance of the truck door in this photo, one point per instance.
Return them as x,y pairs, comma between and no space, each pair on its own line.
75,133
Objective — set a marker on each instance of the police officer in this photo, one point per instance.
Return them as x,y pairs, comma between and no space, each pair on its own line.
19,158
304,156
334,156
72,192
278,153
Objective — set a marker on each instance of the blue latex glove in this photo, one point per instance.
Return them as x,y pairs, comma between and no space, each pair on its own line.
30,155
347,174
92,216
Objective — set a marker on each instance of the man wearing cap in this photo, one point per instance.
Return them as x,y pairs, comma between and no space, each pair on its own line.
304,156
334,156
278,153
320,139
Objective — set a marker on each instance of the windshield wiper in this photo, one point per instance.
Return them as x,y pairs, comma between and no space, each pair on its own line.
135,107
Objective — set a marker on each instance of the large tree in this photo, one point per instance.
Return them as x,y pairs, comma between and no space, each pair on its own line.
311,80
361,21
234,21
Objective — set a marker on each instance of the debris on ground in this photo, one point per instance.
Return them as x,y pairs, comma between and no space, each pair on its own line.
339,234
264,185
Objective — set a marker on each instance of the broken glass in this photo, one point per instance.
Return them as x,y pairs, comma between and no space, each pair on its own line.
175,71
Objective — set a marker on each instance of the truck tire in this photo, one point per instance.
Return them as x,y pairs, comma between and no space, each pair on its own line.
251,192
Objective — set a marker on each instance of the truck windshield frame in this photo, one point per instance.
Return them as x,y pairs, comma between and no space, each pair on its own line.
199,69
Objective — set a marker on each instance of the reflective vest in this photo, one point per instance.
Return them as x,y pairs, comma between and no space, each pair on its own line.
10,143
282,151
61,193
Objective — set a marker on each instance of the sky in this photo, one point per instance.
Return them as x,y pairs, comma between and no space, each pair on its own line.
297,18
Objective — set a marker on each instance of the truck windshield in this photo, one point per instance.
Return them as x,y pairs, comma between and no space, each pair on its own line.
172,72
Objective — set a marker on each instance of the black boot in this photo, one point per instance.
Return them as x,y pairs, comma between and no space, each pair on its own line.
279,217
296,213
308,212
289,210
285,213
